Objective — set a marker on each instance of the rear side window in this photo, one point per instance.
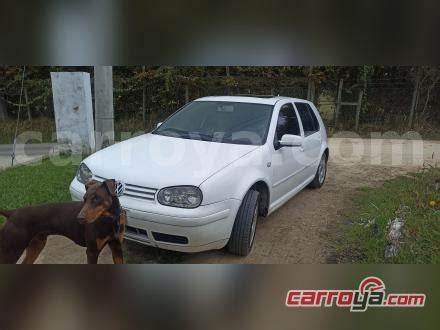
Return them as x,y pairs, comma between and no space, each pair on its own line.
308,118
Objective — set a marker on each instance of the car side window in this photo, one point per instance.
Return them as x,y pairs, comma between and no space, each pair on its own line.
308,118
287,123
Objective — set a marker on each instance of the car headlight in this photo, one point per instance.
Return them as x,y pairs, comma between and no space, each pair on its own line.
188,197
84,174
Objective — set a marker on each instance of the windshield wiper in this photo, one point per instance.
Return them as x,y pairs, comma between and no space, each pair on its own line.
176,132
173,132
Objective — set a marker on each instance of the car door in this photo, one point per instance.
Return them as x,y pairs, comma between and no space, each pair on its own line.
312,137
288,163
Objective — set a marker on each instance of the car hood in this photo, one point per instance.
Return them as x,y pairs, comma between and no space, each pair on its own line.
157,161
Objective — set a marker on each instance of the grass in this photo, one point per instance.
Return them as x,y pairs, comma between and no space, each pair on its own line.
43,126
124,128
363,239
35,184
46,131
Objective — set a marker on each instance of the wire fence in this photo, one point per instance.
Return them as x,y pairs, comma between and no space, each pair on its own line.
145,100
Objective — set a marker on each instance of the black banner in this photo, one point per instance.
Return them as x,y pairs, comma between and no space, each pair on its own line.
207,297
259,32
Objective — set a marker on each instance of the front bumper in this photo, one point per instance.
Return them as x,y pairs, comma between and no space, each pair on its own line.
207,227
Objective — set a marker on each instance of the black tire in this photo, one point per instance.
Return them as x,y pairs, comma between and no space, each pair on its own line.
318,181
242,236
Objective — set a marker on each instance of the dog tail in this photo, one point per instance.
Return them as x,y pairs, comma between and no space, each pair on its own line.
6,213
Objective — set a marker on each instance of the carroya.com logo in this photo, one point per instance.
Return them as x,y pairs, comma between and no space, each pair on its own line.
371,293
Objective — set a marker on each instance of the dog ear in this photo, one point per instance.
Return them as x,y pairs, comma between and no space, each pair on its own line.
111,186
91,183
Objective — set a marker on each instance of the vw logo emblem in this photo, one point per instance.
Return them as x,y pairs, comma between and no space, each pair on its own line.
119,188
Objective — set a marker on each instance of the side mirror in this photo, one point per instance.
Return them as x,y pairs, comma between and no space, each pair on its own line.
158,124
290,140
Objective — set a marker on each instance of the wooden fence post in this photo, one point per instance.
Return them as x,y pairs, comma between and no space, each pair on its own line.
338,102
310,84
144,98
414,98
28,108
186,94
228,74
150,106
3,108
358,109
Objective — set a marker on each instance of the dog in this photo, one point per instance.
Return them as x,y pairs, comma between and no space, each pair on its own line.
94,223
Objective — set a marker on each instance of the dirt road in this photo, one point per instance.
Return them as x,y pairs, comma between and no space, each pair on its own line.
302,231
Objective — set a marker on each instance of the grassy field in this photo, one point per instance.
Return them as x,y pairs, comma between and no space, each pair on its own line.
35,184
364,240
46,127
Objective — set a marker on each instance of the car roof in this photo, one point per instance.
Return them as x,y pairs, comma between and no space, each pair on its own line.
250,99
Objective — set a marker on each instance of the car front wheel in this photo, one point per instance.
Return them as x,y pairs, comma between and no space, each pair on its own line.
243,233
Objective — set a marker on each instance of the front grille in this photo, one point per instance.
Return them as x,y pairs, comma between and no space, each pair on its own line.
134,191
167,238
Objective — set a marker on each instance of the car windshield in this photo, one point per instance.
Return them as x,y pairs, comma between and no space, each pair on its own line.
224,122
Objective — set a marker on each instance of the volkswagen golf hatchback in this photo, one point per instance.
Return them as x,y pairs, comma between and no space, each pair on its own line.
202,178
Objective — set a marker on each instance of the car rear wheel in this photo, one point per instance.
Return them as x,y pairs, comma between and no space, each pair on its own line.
245,226
321,173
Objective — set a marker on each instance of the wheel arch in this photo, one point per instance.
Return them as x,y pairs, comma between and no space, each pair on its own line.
327,152
264,196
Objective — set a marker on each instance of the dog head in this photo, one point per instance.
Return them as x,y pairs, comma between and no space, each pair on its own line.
100,200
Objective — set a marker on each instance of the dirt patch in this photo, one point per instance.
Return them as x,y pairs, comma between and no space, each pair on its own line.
304,229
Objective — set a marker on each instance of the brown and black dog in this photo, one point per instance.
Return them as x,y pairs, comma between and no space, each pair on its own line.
94,223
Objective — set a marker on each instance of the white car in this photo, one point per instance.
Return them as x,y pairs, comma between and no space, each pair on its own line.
200,180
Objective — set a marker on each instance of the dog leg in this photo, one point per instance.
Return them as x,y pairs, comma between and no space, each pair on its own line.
92,256
11,256
13,242
116,248
34,249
